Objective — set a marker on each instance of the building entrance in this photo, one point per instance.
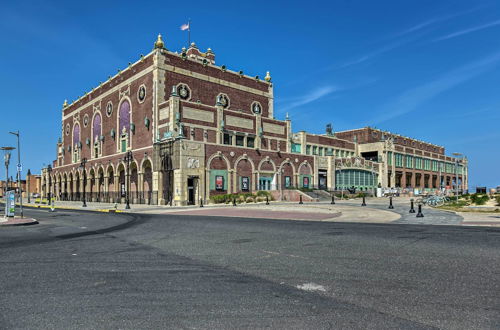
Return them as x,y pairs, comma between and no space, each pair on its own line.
265,183
322,179
191,189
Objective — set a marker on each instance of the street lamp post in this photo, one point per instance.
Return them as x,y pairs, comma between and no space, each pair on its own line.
19,186
341,178
282,171
6,158
456,154
82,165
128,158
49,171
28,174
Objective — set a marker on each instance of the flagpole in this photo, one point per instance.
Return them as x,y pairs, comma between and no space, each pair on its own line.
189,33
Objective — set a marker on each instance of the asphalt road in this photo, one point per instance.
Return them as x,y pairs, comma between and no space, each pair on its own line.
114,271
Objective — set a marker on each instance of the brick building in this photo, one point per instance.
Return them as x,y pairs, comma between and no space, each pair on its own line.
32,184
195,129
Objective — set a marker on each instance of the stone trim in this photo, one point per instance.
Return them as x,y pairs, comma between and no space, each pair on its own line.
197,114
110,91
226,83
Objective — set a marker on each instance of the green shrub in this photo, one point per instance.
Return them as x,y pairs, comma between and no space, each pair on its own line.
497,198
479,199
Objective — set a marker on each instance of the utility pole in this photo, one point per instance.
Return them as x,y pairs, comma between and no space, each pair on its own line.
19,186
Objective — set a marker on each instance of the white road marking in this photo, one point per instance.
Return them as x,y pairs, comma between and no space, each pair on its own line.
311,287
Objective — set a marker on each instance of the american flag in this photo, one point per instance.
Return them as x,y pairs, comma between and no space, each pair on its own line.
185,27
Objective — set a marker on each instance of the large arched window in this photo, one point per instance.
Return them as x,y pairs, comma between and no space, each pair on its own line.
96,135
124,126
77,145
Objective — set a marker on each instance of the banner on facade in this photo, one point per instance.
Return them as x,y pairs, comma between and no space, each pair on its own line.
122,189
245,183
288,182
305,182
219,182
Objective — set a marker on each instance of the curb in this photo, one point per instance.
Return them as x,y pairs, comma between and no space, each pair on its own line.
34,222
73,208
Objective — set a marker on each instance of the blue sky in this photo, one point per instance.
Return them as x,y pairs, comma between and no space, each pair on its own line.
425,69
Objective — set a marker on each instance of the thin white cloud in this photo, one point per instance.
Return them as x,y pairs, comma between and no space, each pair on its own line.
469,30
404,37
412,99
309,97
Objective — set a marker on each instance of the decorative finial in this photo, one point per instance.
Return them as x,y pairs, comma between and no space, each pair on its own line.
193,45
174,91
159,44
209,50
268,77
219,100
287,117
65,104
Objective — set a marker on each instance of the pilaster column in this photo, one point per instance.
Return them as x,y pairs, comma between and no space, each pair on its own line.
413,179
230,181
219,137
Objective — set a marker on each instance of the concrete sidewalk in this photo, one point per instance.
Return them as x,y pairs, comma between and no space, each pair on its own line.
480,219
275,210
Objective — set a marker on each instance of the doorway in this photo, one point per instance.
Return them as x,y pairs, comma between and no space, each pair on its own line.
191,187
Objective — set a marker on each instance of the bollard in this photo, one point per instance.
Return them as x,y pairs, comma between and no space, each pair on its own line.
412,208
390,203
364,203
234,201
201,202
333,199
267,200
300,199
419,214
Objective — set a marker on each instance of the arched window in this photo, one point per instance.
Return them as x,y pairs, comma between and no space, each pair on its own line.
124,126
96,135
77,145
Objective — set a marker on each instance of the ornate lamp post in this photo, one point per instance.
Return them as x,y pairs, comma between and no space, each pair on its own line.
456,154
19,186
6,158
128,158
28,174
49,171
82,165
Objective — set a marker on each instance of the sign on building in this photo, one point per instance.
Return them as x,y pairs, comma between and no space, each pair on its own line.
245,183
219,182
